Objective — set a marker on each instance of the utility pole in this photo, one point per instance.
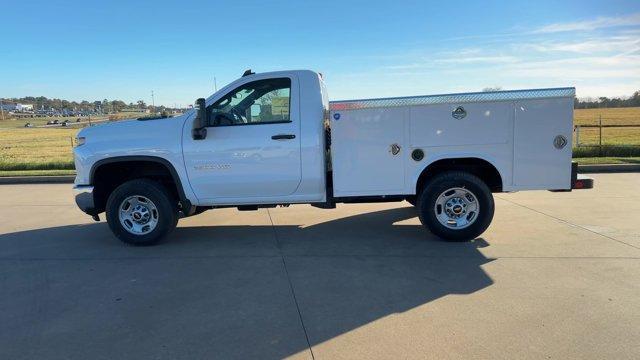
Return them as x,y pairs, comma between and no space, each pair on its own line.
153,103
215,84
2,109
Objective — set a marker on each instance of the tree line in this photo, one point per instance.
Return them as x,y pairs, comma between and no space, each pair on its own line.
104,106
605,102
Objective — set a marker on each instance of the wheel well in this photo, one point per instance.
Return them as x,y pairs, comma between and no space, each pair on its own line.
108,176
478,167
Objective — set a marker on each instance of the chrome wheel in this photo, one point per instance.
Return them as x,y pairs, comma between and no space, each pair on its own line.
138,215
457,208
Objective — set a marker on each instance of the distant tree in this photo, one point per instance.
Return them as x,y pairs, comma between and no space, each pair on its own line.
489,89
85,106
105,106
118,105
605,102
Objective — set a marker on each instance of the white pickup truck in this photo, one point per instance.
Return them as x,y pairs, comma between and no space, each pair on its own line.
274,139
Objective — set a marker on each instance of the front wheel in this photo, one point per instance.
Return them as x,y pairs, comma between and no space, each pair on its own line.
456,206
141,212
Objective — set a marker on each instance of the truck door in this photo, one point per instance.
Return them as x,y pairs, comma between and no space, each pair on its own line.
252,148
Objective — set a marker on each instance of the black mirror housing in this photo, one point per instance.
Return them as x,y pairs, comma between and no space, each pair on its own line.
199,131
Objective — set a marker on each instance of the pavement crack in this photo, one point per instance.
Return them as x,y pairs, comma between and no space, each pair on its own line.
293,293
570,223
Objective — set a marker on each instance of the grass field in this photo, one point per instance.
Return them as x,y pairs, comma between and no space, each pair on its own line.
610,116
610,136
40,148
35,148
30,149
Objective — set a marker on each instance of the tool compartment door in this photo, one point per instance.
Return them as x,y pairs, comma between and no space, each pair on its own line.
540,160
368,151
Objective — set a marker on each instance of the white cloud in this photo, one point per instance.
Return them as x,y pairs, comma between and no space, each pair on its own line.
624,68
478,59
589,25
589,46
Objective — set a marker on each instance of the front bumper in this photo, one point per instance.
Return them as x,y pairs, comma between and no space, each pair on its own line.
84,198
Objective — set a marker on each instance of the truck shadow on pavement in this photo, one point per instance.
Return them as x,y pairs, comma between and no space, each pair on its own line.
225,291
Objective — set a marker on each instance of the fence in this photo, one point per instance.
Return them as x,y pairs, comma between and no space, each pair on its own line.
607,138
596,135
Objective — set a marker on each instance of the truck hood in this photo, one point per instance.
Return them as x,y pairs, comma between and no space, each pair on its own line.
124,127
135,136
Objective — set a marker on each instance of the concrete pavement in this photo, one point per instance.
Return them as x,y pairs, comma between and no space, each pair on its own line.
557,275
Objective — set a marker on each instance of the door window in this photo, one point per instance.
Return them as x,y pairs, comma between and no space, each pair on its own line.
258,102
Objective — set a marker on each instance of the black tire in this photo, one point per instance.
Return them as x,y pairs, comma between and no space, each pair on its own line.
166,206
455,179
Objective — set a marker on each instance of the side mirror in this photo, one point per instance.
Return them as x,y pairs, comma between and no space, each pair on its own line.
199,131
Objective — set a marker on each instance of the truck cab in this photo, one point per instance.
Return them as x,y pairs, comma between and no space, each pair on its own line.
264,142
275,139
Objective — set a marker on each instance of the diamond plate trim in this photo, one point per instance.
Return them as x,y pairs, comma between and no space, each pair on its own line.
453,98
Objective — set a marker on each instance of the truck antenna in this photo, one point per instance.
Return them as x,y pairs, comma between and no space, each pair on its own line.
247,73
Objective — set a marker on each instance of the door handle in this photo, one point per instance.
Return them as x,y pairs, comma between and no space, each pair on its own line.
283,137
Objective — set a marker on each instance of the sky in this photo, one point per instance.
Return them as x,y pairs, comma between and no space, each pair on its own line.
90,50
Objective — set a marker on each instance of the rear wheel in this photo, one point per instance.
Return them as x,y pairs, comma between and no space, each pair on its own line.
141,212
456,206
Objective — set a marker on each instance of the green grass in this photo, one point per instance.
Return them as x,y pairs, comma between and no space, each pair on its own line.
607,160
4,173
606,151
27,166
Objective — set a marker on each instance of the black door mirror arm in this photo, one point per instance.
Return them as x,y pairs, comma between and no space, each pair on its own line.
199,131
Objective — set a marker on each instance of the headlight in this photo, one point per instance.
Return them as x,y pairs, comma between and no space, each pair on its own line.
80,140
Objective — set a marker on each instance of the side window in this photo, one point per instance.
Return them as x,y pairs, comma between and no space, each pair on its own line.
257,102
